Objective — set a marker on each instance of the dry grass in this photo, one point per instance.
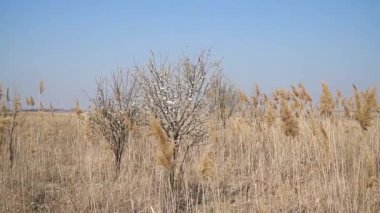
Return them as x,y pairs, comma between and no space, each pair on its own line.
330,165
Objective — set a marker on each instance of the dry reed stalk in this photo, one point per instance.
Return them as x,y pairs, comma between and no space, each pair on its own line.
325,139
207,164
78,110
346,108
326,101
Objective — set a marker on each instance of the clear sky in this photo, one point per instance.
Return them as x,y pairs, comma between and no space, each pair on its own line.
69,43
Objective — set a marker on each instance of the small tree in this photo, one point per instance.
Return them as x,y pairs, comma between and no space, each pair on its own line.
175,95
223,98
115,111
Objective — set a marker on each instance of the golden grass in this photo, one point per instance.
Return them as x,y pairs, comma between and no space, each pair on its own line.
328,164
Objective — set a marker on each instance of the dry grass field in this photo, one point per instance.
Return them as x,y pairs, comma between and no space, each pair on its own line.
267,157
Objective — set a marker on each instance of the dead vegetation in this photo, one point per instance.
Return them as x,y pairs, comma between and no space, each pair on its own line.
257,153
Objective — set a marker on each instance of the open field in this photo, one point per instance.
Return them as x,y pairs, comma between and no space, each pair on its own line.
190,106
249,165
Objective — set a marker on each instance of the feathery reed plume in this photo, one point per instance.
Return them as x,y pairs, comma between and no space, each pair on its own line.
270,114
243,97
165,150
304,94
296,106
366,104
42,87
295,92
289,122
283,94
206,164
326,101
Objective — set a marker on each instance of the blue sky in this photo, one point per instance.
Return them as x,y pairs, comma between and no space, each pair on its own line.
276,43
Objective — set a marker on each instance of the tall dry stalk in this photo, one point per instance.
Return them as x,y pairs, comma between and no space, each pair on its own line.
207,164
326,101
78,110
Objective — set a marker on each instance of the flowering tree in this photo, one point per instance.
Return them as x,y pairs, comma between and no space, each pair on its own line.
176,94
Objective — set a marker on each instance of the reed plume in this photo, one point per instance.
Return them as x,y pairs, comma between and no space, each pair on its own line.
326,101
270,114
366,105
243,97
295,92
289,121
304,94
165,150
